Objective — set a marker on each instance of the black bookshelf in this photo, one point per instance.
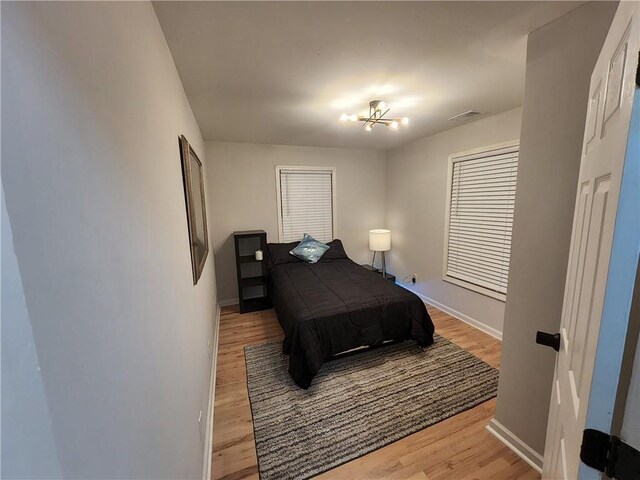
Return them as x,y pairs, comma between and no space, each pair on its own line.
252,273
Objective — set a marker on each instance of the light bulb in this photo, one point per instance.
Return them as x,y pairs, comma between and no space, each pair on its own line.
353,118
394,124
368,128
381,105
344,117
405,121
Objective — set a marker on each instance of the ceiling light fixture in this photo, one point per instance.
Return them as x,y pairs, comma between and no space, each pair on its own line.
376,116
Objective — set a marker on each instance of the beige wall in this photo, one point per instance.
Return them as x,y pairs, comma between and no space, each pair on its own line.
416,196
24,402
92,107
242,189
560,59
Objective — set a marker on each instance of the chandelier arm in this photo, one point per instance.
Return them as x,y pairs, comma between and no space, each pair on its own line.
362,118
377,119
366,122
383,114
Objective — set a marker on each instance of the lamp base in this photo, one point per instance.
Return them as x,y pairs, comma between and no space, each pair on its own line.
384,264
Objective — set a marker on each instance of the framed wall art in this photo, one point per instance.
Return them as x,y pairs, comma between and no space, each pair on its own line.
193,179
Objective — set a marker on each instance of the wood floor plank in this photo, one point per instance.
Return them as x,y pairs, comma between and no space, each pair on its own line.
454,449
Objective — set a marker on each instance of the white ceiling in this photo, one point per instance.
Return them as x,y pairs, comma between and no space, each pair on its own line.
283,72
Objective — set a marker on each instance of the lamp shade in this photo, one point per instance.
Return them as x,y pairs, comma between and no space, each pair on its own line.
380,240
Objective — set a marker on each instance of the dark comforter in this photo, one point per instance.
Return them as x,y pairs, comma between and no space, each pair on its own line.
331,307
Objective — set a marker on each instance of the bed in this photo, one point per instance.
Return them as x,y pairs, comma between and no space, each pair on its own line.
336,306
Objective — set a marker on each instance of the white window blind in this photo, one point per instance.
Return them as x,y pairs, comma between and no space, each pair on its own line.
306,203
482,189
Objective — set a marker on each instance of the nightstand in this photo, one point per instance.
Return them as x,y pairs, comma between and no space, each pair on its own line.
388,276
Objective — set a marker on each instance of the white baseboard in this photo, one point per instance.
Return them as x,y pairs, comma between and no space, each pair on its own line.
208,441
514,443
228,302
460,316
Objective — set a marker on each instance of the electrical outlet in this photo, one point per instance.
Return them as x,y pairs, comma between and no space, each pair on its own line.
414,278
202,428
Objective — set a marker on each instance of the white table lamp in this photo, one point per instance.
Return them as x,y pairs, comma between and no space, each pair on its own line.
380,241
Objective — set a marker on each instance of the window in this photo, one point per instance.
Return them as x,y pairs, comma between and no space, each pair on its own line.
480,201
306,202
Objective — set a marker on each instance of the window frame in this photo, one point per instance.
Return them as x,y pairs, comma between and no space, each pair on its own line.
294,168
512,145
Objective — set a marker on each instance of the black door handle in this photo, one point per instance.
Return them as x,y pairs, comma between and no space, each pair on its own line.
549,340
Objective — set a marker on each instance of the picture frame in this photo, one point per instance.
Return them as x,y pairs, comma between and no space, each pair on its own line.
193,182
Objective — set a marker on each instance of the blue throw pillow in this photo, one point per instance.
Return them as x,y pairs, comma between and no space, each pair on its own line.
309,249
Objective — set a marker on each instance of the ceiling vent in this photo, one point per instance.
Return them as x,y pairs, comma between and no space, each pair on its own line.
467,114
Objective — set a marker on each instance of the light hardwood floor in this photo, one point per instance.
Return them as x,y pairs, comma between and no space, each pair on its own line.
456,448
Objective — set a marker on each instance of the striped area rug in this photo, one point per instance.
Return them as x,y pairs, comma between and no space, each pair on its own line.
356,404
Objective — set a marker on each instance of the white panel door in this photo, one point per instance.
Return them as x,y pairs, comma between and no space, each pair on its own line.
603,154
